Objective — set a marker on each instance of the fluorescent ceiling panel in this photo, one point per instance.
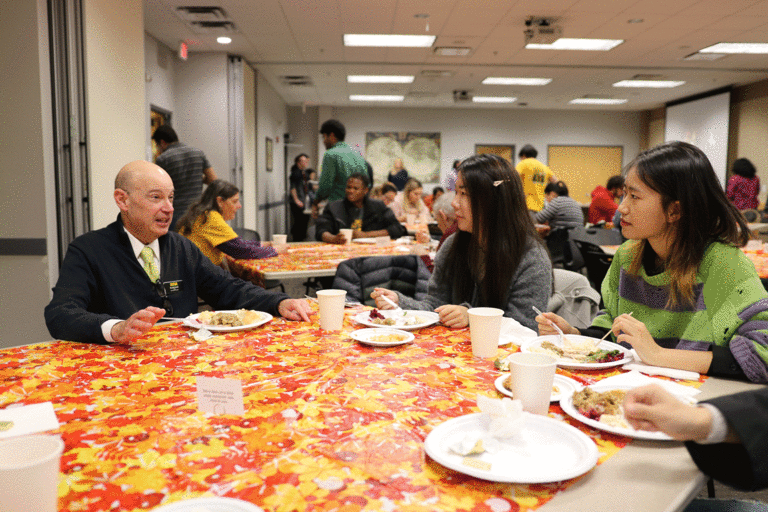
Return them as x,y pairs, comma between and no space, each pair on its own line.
493,99
376,97
391,40
380,79
596,101
565,43
751,48
504,80
654,84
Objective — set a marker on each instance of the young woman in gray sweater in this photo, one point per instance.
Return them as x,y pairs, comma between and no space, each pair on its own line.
495,259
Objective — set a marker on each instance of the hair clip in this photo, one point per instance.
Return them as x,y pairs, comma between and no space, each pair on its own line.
497,183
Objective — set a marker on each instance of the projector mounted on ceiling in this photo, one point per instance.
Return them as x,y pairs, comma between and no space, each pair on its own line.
541,30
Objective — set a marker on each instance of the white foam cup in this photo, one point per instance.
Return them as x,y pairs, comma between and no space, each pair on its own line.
347,234
29,473
279,239
484,328
532,376
331,309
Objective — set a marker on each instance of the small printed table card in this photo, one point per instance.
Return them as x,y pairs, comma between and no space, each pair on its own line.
27,419
220,396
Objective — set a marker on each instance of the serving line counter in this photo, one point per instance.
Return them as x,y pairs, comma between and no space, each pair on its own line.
329,423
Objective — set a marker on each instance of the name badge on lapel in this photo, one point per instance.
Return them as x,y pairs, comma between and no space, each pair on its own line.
172,287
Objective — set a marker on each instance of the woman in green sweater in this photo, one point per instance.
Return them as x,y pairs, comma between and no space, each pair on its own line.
680,291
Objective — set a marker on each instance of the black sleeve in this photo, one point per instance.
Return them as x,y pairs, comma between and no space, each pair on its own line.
67,316
326,222
743,466
593,332
724,364
394,228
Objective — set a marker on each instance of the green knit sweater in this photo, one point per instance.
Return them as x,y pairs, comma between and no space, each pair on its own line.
730,315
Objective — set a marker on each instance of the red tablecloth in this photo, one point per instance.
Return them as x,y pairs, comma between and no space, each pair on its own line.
329,424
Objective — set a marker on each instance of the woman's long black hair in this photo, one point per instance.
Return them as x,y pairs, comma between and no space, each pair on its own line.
502,231
216,188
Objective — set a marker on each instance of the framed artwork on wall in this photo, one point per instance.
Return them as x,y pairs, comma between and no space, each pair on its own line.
269,153
157,117
418,151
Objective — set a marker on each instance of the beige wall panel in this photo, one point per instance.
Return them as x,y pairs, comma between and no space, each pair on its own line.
582,168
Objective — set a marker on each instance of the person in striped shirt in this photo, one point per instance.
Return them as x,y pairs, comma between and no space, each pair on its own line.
561,211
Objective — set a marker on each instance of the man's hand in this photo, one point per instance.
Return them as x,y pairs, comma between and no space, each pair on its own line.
334,239
136,325
294,309
652,408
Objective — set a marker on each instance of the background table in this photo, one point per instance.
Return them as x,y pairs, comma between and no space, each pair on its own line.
329,424
306,260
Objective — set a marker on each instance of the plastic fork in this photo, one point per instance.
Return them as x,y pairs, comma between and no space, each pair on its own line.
553,324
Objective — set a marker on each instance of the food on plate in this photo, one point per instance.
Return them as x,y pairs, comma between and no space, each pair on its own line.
578,350
508,385
603,407
377,318
228,319
469,444
387,338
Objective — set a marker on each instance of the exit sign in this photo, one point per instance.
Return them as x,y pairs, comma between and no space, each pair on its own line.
183,50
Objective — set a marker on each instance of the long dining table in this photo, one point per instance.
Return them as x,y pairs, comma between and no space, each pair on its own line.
328,424
309,260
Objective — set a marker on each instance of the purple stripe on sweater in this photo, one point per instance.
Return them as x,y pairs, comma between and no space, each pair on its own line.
633,288
753,330
750,361
753,309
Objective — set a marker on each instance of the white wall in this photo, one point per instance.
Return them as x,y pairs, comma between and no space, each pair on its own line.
201,115
25,157
248,195
159,62
303,126
114,56
461,129
272,122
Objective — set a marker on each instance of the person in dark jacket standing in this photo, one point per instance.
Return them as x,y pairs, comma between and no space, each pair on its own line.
299,180
365,216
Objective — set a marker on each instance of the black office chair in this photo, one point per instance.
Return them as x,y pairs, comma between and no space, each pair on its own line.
596,261
557,243
250,234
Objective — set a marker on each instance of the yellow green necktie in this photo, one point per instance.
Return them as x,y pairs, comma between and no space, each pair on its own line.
147,255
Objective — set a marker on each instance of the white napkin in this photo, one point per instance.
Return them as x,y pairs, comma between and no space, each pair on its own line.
513,331
506,420
634,379
638,365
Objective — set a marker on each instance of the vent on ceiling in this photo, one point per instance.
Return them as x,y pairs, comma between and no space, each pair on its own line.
210,27
436,73
202,13
461,96
296,81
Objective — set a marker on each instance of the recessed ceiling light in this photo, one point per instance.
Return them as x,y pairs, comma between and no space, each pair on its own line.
596,101
503,80
704,56
751,48
657,84
389,40
566,43
493,99
223,40
380,79
376,97
453,51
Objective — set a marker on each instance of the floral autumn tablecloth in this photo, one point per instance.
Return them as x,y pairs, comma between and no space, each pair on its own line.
329,424
317,256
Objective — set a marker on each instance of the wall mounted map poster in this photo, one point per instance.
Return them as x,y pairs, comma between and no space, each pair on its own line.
419,151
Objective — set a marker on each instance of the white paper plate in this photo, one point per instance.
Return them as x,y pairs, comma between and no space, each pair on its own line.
191,321
546,450
566,403
428,317
368,336
363,240
566,386
568,363
210,505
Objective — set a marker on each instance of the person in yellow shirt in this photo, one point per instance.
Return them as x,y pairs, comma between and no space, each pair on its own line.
535,176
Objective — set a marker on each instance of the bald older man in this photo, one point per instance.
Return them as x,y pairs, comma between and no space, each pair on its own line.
116,282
